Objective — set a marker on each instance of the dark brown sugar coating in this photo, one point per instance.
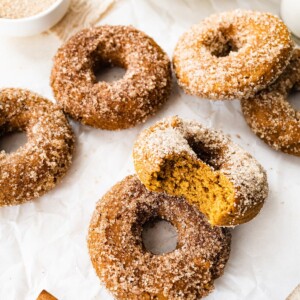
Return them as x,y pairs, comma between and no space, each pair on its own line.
36,167
232,54
271,116
129,271
119,104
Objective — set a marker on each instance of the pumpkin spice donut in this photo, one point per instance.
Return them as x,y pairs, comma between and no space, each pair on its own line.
119,104
232,54
129,271
44,295
184,158
270,115
36,167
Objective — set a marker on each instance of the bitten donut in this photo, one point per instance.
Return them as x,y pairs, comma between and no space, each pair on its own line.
44,295
184,158
232,54
119,104
129,271
36,167
270,115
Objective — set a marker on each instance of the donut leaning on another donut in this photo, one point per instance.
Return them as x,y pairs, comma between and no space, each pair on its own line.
184,158
232,54
120,104
271,116
129,271
36,167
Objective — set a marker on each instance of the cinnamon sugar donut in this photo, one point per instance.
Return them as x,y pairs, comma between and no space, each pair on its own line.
119,104
44,295
129,271
232,54
270,115
36,167
184,158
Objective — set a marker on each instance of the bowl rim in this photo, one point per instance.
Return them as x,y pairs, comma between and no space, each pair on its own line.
39,15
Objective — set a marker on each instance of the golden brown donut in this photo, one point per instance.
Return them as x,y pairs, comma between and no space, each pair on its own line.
270,115
36,167
129,271
184,158
232,54
44,295
119,104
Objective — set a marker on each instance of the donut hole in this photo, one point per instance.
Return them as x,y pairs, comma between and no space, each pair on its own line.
108,71
11,141
208,156
294,99
222,43
225,49
159,236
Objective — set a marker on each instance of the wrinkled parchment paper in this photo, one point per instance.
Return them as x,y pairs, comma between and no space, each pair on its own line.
81,14
43,243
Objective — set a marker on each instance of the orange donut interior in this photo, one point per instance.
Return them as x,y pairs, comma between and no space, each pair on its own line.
210,190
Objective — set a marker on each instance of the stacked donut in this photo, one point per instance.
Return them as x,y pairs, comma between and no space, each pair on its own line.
129,270
198,180
246,55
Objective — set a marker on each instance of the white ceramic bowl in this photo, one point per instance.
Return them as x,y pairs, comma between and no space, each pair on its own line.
34,24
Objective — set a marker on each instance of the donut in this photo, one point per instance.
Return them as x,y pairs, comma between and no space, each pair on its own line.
36,167
44,295
270,115
120,104
129,271
232,54
184,158
295,294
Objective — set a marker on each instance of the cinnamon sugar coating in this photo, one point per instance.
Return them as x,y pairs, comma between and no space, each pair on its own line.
184,158
120,104
36,167
129,271
232,54
270,115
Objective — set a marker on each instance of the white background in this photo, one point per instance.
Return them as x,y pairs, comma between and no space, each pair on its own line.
43,243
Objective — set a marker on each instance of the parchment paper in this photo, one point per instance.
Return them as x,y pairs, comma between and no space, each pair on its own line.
43,243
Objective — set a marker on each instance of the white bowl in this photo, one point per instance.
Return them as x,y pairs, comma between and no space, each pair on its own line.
34,24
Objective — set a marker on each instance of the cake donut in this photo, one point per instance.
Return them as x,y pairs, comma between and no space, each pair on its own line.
36,167
184,158
270,115
44,295
232,54
129,271
119,104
